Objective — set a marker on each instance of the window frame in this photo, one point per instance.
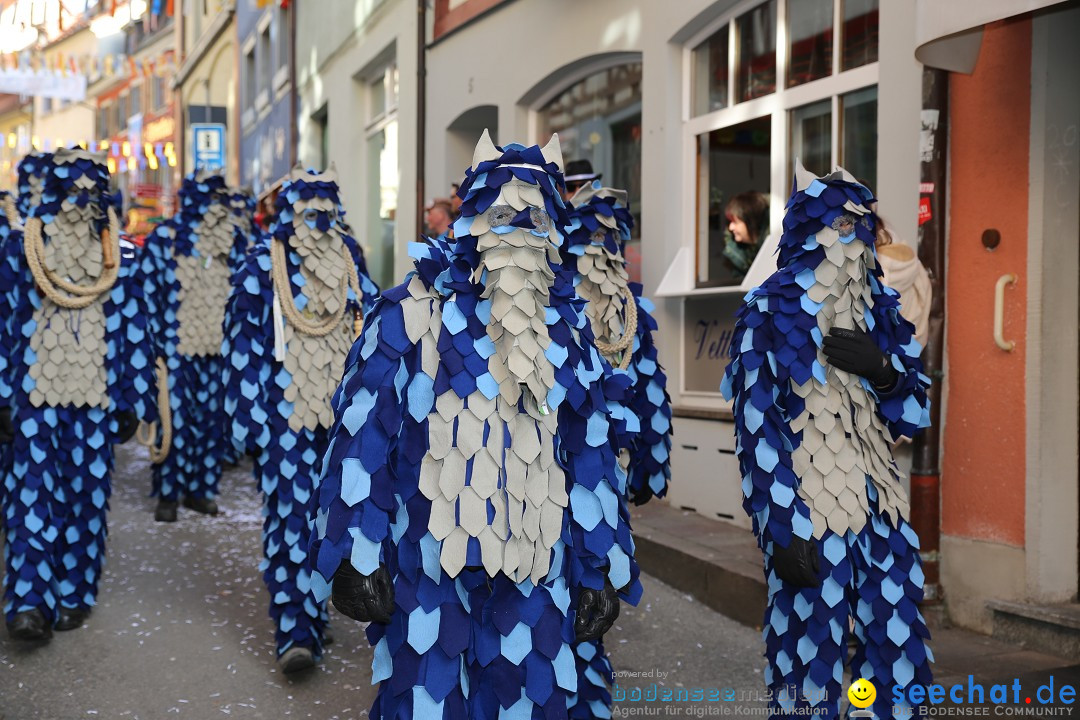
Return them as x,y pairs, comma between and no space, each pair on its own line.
777,105
682,273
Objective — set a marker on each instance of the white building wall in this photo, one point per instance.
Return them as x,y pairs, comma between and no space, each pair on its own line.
338,43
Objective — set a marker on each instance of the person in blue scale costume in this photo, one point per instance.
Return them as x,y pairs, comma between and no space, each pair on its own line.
296,308
76,378
189,262
825,376
472,505
622,323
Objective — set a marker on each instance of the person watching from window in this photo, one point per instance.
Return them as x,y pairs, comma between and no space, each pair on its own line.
748,224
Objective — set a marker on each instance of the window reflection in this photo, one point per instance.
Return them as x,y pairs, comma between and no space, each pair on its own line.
811,137
810,40
860,33
710,60
756,32
858,148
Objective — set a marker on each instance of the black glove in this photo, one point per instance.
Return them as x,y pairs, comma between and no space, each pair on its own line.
367,598
853,351
596,612
126,423
797,564
7,428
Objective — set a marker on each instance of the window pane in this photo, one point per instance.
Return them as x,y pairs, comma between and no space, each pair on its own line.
710,62
599,119
377,90
757,51
383,179
732,164
810,24
811,137
858,133
860,36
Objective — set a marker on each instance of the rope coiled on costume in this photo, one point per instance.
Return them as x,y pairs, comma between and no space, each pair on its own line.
146,432
52,284
283,288
630,323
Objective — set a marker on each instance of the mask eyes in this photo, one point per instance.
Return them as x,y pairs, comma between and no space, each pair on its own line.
311,215
539,219
598,237
500,215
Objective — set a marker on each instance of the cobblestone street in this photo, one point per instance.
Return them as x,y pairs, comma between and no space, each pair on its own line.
181,630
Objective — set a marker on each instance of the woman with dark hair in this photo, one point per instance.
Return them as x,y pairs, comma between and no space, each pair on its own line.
748,223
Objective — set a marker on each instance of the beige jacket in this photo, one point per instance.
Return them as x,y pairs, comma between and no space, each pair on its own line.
905,274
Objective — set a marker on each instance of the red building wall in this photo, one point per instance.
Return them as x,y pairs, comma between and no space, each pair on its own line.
984,434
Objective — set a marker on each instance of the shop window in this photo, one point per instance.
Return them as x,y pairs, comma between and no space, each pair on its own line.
732,162
810,40
598,119
710,68
383,178
756,33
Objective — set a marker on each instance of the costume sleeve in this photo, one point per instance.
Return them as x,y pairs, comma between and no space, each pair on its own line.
248,352
763,407
12,290
131,348
905,408
160,291
650,449
356,492
598,525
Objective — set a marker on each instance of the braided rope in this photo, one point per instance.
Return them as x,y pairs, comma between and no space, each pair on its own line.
283,288
52,285
146,432
630,324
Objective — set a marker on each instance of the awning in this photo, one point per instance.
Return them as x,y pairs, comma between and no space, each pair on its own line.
948,34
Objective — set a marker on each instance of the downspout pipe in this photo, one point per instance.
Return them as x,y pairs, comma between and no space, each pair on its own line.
294,93
421,111
926,454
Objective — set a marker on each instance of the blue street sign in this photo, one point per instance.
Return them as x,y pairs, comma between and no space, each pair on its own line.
208,140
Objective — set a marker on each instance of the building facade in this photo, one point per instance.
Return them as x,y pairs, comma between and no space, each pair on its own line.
358,94
265,99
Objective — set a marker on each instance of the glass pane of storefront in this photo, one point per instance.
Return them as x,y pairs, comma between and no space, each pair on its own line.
858,134
599,119
382,154
860,33
733,166
811,137
710,79
756,31
810,40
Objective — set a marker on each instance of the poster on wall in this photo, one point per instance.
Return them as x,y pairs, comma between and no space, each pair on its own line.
708,325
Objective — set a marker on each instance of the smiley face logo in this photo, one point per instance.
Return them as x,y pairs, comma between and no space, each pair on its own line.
862,693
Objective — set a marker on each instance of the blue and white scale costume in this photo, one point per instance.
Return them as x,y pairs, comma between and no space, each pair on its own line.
600,224
77,356
280,378
814,447
473,457
188,262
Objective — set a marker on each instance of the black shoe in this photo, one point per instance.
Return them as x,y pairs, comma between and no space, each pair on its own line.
296,659
29,625
166,511
327,636
71,618
206,506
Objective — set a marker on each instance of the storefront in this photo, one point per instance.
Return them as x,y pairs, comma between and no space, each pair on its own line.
686,105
